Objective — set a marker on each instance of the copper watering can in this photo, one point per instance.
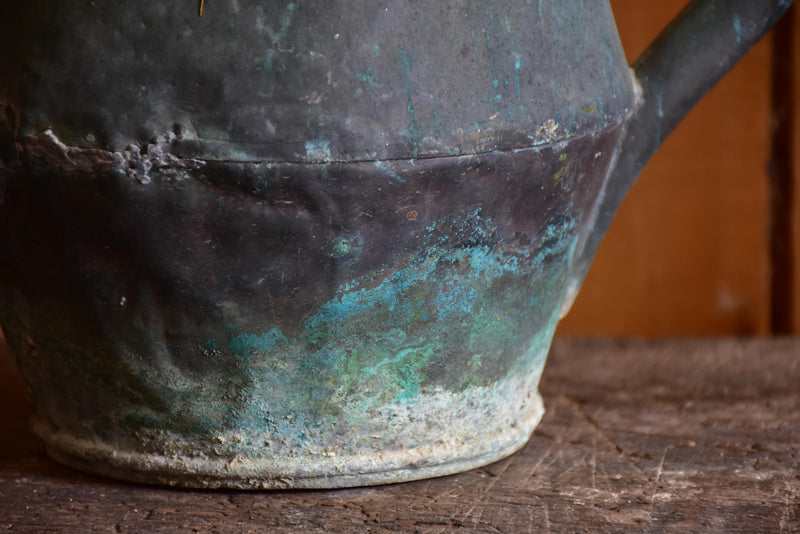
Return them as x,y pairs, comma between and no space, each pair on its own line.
303,244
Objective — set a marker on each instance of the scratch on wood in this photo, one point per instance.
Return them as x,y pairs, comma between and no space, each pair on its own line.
427,491
436,496
658,474
547,517
202,4
582,413
594,460
786,513
544,457
481,497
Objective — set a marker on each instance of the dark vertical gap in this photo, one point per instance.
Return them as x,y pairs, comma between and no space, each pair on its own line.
781,186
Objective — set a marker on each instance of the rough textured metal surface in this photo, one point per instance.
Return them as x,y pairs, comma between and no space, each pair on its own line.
295,243
264,325
314,80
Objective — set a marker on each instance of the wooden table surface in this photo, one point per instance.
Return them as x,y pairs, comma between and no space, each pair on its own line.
666,436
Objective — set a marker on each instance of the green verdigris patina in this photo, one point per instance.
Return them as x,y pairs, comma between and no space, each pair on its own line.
413,350
298,244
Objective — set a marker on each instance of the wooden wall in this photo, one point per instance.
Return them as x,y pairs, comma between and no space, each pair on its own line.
689,252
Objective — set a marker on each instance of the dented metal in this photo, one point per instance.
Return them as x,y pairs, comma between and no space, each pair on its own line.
299,244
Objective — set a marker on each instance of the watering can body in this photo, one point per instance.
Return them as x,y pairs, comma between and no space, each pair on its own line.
295,244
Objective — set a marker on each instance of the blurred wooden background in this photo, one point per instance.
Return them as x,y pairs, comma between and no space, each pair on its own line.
690,253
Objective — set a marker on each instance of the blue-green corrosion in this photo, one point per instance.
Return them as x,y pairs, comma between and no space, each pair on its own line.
499,30
413,130
389,172
460,309
246,345
286,21
737,27
318,149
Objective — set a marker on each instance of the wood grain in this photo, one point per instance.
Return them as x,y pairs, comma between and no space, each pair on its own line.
668,436
795,169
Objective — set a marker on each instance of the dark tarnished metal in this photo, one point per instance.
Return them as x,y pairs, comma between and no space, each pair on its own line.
298,244
316,81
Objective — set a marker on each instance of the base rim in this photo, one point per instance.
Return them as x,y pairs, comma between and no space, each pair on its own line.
300,472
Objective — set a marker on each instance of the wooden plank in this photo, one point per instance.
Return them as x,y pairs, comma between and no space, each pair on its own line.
795,169
679,436
782,177
688,252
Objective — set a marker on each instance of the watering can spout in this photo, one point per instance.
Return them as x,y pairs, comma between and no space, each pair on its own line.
689,57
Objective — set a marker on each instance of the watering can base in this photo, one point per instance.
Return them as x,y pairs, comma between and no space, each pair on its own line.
450,456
